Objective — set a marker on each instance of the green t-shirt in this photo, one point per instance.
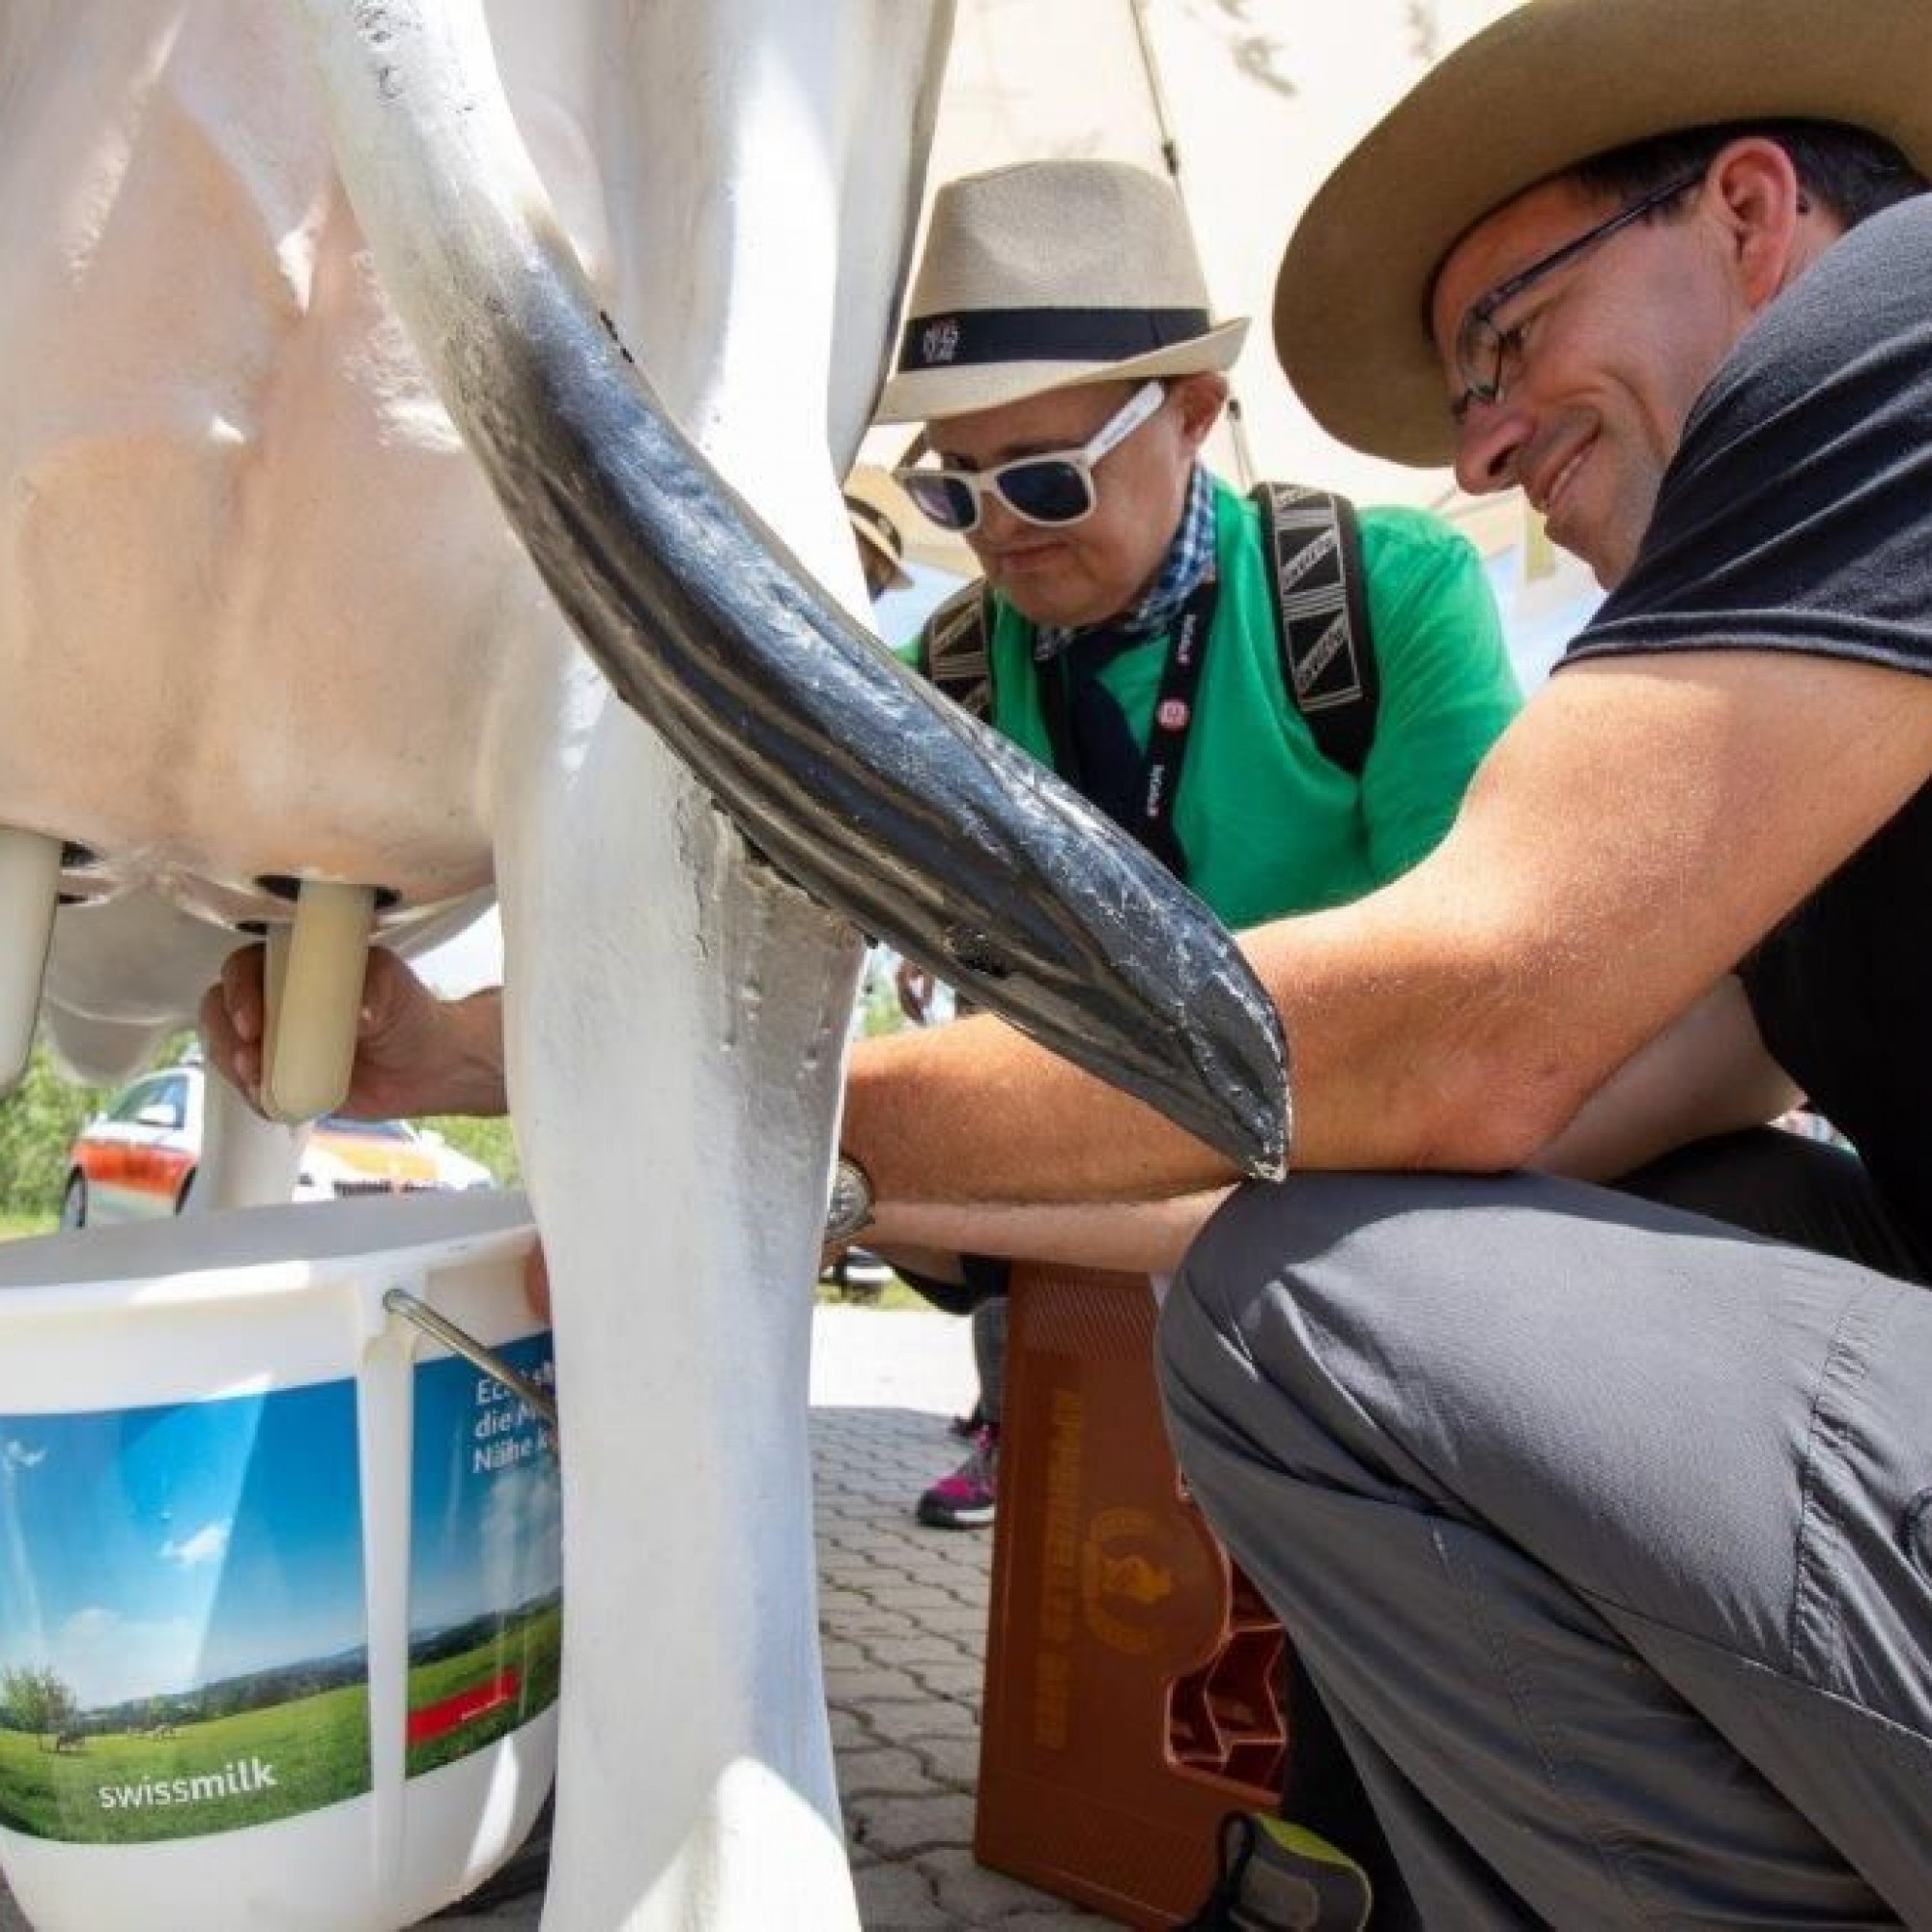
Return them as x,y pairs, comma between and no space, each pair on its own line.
1269,826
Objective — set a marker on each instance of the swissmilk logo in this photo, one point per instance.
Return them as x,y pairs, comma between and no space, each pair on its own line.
940,342
238,1778
1172,713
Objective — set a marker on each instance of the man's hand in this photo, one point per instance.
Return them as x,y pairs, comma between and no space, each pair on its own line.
415,1053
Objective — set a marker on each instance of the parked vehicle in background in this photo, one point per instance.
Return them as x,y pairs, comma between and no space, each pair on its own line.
137,1157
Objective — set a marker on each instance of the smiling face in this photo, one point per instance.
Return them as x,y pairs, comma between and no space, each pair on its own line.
1083,573
1609,351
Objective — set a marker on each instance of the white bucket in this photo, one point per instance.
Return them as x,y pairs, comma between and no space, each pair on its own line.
279,1577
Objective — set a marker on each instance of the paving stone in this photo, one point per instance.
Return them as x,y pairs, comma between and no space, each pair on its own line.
887,1772
927,1647
841,1564
869,1684
833,1605
964,1620
896,1898
1059,1918
977,1894
850,1732
923,1597
935,1716
899,1826
950,1760
870,1619
962,1679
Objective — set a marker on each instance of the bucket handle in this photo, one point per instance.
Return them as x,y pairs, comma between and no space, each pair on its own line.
460,1342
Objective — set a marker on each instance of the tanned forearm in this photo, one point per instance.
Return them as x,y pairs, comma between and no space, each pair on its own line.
1129,1238
976,1112
973,1112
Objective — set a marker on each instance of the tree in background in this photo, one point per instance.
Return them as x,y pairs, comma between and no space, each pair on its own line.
37,1123
41,1116
38,1701
492,1141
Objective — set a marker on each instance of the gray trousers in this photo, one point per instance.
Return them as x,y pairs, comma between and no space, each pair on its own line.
1605,1530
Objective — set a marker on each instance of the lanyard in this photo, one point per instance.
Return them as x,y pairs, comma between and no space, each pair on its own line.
1168,733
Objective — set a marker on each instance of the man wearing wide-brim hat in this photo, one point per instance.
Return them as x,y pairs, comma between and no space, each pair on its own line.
1061,351
1605,1527
878,511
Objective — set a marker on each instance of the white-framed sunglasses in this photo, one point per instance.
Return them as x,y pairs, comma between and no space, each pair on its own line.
1054,488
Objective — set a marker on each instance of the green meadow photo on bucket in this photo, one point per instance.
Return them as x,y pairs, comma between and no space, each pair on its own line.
486,1557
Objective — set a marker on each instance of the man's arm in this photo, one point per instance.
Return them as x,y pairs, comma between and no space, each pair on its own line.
1631,836
1131,1237
1708,1072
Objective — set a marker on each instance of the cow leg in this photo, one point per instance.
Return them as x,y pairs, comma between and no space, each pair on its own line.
675,1026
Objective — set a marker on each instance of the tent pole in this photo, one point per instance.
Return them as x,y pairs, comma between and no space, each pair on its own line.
1170,153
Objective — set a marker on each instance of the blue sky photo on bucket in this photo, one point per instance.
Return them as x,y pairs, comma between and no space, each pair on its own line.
149,1551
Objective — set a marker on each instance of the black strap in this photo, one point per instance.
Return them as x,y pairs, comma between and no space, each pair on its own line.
955,646
1321,617
1150,804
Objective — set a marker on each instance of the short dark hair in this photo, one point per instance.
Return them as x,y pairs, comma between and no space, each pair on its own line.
1847,171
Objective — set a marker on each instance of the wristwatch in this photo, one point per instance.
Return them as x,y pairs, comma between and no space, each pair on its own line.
850,1211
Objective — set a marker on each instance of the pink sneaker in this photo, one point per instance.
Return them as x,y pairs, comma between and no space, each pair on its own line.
964,1499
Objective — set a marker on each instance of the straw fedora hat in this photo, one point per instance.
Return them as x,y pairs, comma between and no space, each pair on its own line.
1542,88
1039,276
879,511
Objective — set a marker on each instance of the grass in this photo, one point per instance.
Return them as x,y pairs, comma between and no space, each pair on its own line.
531,1646
895,1297
317,1749
12,1226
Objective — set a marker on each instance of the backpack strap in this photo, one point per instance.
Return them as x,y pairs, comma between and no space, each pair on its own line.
954,645
1321,617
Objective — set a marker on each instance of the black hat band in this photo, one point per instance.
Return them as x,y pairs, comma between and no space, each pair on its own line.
971,337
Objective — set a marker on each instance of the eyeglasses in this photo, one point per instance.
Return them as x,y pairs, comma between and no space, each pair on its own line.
1055,488
1488,358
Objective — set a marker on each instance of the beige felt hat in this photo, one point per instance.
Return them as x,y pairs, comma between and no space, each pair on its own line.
1547,86
1039,276
879,511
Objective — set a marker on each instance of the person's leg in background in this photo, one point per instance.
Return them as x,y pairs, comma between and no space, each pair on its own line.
964,1498
1605,1532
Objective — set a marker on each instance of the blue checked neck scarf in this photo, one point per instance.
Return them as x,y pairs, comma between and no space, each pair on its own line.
1189,558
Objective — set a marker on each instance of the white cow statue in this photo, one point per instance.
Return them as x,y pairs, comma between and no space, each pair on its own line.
355,552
